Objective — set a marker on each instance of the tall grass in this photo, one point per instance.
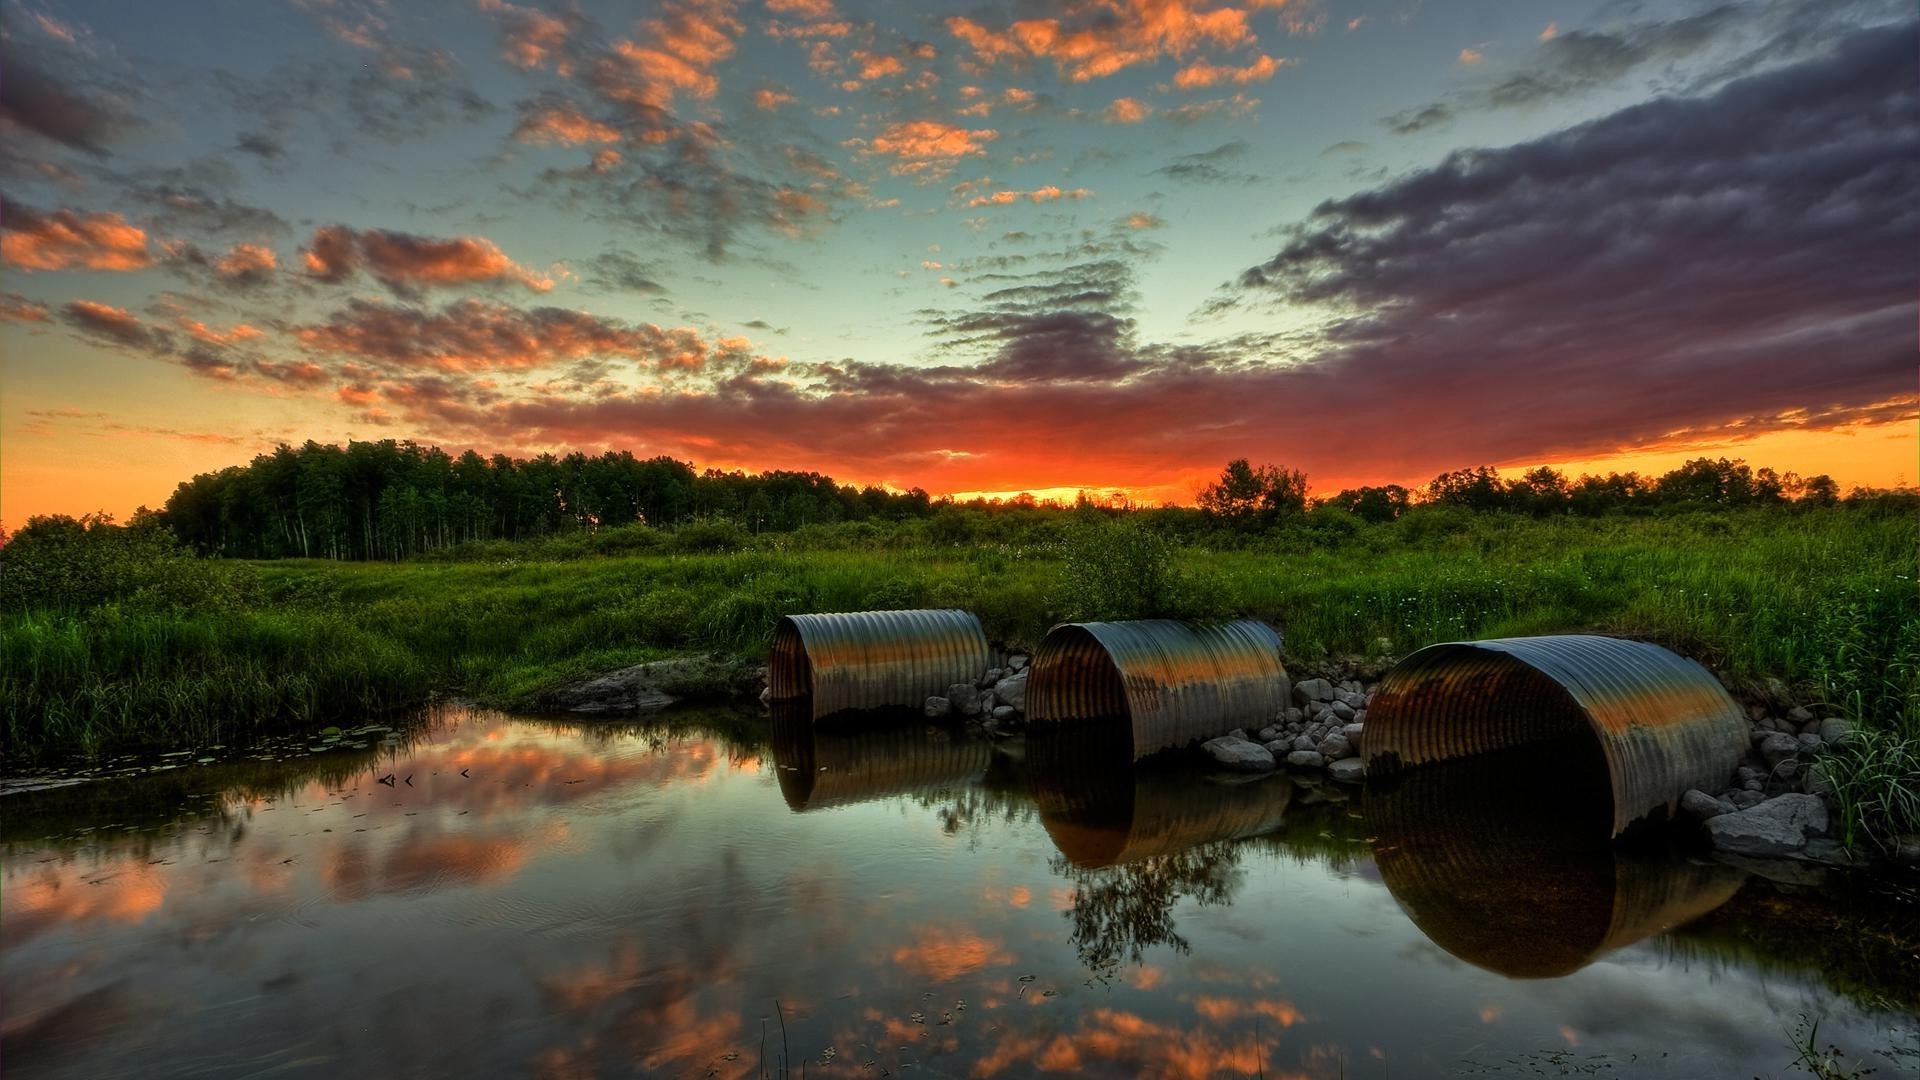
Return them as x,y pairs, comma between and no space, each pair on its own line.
1824,600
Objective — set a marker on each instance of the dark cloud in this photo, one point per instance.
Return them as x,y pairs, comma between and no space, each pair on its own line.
1679,264
1206,167
59,108
1408,121
1719,43
475,335
618,271
262,145
115,325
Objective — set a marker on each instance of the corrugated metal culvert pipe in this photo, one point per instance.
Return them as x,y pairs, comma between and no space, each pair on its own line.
875,659
1168,683
1663,723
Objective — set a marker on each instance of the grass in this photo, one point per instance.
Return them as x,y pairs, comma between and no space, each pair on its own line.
1824,600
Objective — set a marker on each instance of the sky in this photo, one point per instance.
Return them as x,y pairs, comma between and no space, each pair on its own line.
973,248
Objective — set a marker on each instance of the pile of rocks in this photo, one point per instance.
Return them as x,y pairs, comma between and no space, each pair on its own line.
997,700
1775,804
1322,731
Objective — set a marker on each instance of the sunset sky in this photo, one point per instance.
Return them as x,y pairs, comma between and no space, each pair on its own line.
984,247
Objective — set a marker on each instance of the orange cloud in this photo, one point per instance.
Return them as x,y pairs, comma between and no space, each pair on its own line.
1049,193
65,240
563,124
17,308
803,9
1107,36
1127,110
530,37
247,262
771,98
1471,57
405,262
202,332
674,57
927,147
1203,74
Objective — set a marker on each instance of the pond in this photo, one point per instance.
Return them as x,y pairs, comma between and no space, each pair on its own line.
721,895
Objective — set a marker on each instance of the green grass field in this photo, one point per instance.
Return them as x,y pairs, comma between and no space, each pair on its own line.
1824,599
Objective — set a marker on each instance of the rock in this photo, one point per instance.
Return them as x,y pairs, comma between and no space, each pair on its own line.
1279,748
1349,770
1334,747
1778,826
1815,782
1753,785
766,694
1905,850
1018,661
1351,699
966,699
1359,716
1294,716
1004,713
1306,759
1810,744
1239,754
1307,691
1747,772
1777,748
1746,797
1239,733
1013,690
1701,805
1353,732
1270,733
1799,714
654,685
992,676
1343,711
1304,742
937,707
1835,731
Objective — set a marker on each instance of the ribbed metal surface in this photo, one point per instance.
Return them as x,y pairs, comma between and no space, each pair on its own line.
1173,683
875,659
819,769
1505,861
1100,810
1663,722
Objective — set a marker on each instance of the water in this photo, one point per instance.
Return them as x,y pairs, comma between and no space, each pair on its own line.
712,898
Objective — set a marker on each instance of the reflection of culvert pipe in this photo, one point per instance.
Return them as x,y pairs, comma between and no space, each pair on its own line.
1663,723
875,659
1504,860
1168,683
1101,810
819,768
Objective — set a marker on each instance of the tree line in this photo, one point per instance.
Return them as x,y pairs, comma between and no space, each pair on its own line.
390,500
395,500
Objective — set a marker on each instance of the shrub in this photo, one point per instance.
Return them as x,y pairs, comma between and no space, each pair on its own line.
1116,570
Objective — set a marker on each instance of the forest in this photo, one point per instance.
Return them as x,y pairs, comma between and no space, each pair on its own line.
393,500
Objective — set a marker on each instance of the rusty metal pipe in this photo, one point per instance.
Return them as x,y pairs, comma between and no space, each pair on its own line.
875,659
1172,683
1663,722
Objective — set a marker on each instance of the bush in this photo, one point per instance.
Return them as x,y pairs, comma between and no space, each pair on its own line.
75,564
707,537
1115,570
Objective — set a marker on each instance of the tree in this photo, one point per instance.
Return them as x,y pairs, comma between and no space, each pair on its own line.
1247,496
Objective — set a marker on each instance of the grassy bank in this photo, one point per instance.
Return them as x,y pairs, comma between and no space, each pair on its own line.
197,651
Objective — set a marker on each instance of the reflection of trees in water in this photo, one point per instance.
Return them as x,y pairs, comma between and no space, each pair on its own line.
1119,912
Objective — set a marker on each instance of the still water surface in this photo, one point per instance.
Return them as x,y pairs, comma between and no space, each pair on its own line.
557,900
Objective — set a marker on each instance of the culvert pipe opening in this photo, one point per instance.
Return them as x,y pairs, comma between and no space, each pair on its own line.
1662,723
